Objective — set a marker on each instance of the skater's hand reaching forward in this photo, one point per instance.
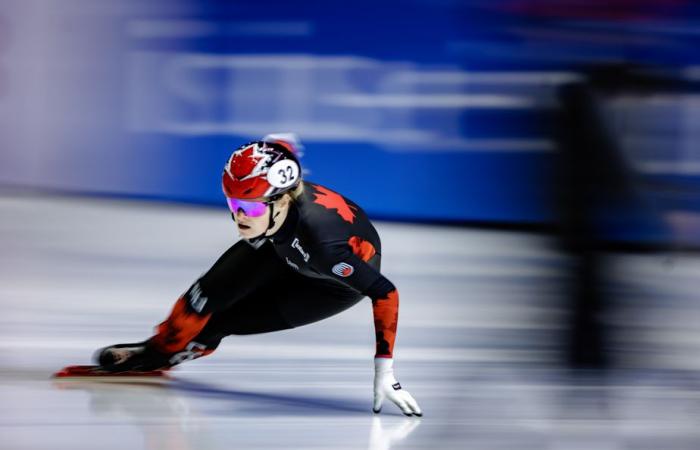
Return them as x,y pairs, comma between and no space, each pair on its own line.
386,387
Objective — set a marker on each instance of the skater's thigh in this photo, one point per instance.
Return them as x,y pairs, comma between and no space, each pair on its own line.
238,273
311,301
256,313
286,303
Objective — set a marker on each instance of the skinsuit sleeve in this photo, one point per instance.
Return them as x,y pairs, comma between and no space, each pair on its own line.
350,264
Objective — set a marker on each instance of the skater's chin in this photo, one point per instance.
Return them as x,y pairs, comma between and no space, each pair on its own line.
248,232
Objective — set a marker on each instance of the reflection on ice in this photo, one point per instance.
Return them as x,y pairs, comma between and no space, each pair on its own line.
166,411
381,438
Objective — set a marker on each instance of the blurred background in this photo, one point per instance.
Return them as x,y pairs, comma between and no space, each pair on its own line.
533,168
450,102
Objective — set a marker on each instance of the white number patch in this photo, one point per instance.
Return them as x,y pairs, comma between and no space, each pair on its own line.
283,174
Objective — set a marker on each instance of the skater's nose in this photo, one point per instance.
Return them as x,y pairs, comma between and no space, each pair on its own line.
242,218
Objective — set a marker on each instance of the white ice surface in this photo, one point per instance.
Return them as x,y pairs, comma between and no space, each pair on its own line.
479,333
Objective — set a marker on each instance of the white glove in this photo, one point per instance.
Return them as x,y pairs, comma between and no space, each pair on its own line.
386,386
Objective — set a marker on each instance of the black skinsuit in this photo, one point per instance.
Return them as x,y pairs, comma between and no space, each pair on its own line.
324,259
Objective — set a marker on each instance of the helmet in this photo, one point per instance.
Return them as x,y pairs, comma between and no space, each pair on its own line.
261,169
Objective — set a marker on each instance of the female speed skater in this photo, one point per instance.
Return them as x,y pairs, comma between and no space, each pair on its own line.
306,253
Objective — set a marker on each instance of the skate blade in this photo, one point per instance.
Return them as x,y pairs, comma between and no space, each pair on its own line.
94,372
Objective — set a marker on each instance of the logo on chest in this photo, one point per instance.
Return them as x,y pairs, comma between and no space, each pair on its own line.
297,245
343,269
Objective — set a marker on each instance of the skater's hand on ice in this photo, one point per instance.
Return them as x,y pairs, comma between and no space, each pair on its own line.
386,387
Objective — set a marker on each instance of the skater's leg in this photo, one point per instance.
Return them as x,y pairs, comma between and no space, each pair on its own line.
268,300
257,313
300,301
235,275
289,302
252,315
239,272
314,301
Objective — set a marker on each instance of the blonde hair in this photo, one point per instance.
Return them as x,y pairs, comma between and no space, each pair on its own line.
297,191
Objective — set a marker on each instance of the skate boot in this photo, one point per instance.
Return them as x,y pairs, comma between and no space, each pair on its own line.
136,360
134,357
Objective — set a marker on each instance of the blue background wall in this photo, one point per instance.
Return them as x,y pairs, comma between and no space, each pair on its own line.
418,110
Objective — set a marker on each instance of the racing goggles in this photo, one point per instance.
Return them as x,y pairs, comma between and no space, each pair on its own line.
250,209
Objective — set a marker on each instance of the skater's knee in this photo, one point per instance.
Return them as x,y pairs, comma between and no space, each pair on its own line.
204,299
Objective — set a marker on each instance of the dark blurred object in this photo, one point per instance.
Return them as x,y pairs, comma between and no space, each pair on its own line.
588,172
597,9
597,186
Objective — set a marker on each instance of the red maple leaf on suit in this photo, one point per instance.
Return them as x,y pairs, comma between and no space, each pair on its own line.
332,200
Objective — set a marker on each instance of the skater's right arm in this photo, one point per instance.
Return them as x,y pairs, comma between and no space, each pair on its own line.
344,265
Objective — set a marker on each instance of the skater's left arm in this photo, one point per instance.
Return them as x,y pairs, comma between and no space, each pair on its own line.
358,274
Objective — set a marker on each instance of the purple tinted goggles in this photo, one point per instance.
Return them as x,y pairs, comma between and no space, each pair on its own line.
250,209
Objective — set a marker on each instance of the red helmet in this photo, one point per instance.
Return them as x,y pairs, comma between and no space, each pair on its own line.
261,169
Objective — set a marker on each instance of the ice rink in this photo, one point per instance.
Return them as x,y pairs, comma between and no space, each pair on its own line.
480,333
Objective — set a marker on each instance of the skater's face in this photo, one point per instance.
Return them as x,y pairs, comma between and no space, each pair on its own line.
249,225
254,220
